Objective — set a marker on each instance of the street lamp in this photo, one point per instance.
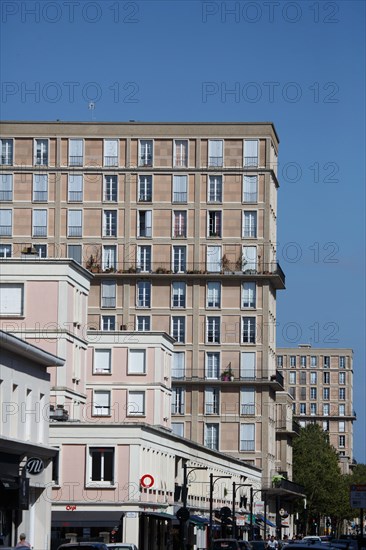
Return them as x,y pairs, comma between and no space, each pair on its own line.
183,523
252,493
213,480
235,488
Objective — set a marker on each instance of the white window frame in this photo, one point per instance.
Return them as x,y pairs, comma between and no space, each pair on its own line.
178,400
110,161
247,401
247,437
5,250
179,258
110,188
250,224
214,258
7,151
101,402
251,153
111,321
146,217
6,229
137,361
105,361
145,188
144,258
143,323
214,146
179,224
212,436
178,327
248,364
76,160
75,230
180,188
213,330
146,158
180,153
215,188
105,449
41,230
248,295
250,189
6,187
108,291
143,294
109,256
140,410
43,158
11,299
249,334
75,187
213,295
179,294
212,401
109,223
178,365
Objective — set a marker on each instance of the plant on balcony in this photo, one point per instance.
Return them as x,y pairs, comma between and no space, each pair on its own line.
92,264
240,263
225,263
277,479
227,374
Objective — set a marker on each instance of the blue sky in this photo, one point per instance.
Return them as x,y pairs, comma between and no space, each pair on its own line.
299,64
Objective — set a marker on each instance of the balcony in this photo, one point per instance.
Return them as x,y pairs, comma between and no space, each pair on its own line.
39,231
74,231
215,162
238,376
5,230
111,162
75,160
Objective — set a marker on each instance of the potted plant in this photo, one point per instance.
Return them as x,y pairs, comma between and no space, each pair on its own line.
240,262
227,374
92,264
225,263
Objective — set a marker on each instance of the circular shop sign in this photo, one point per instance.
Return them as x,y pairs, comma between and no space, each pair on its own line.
147,481
34,466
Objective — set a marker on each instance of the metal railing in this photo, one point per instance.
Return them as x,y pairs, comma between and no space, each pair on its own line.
76,160
39,231
75,196
5,230
239,375
40,196
6,195
179,197
110,161
74,231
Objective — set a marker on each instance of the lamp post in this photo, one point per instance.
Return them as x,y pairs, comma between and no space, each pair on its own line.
252,493
235,488
213,480
183,524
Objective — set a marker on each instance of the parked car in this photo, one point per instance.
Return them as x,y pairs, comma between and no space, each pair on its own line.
345,543
311,538
258,544
245,545
225,544
83,546
122,546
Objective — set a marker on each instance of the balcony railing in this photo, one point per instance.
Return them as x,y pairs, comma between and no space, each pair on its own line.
238,375
215,161
179,196
75,160
7,160
145,161
39,231
41,161
251,162
75,196
40,196
5,230
74,231
108,302
6,195
180,161
144,231
110,161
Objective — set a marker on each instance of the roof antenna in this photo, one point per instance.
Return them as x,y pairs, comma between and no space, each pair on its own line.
91,108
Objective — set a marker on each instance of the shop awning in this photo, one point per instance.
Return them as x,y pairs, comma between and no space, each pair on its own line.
268,522
159,515
198,520
91,518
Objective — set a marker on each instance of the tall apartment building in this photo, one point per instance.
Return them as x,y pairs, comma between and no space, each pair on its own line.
177,221
320,381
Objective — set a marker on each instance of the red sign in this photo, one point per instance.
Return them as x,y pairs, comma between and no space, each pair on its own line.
70,507
147,481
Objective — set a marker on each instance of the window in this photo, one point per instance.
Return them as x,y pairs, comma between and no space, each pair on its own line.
303,393
213,259
341,426
214,223
101,465
180,188
75,188
313,409
41,152
179,294
213,294
342,378
302,377
293,361
101,403
177,401
39,227
110,152
212,436
248,296
215,152
137,361
179,259
249,259
144,258
178,369
180,153
326,425
74,251
326,409
313,393
302,408
342,441
249,224
6,146
74,223
326,394
143,294
108,322
178,329
108,290
6,218
326,361
212,365
110,188
247,401
250,189
342,362
214,189
75,152
110,223
303,361
5,250
342,394
11,299
251,153
313,378
248,330
143,323
211,401
247,365
145,152
326,378
109,257
145,188
247,437
292,377
102,361
178,428
136,403
56,468
313,361
342,410
213,330
6,187
179,223
41,250
280,361
144,223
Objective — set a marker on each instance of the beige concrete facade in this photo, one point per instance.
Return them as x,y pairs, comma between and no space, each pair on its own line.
320,382
180,222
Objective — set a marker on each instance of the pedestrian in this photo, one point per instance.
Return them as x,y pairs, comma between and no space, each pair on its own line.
23,543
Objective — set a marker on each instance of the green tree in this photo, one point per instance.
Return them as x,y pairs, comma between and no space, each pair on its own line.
315,466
